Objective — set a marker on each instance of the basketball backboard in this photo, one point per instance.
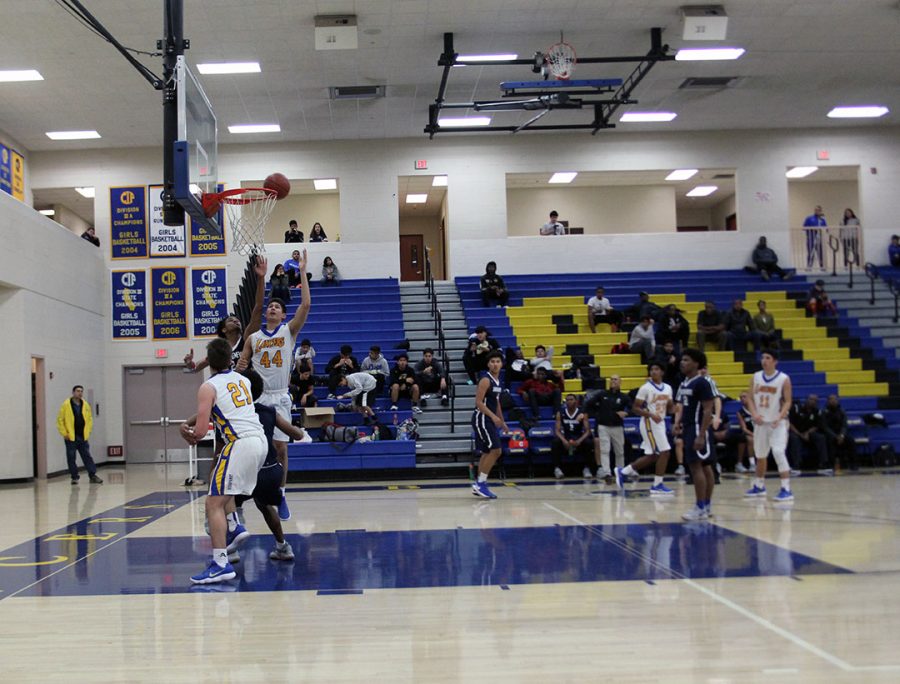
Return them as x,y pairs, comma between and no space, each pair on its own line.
195,148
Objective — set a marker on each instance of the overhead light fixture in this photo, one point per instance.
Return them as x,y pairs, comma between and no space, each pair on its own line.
708,54
10,76
486,58
801,171
416,199
230,68
325,183
255,128
439,182
862,112
195,189
72,135
563,177
86,192
702,191
647,117
462,122
681,174
47,212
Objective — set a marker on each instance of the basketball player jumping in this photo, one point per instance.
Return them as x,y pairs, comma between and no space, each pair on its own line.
272,351
769,402
487,420
652,403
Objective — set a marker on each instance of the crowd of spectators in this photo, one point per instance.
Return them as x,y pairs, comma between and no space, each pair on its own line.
294,234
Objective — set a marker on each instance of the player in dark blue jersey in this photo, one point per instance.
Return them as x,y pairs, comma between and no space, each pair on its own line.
693,417
573,435
487,420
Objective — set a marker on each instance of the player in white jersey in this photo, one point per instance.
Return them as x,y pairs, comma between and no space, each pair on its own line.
227,399
769,403
272,352
652,403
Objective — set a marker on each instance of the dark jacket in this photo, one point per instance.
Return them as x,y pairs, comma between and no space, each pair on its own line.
604,406
399,377
738,321
764,256
332,362
833,422
491,281
672,329
293,236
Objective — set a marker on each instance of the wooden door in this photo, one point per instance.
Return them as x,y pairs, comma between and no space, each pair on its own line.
412,257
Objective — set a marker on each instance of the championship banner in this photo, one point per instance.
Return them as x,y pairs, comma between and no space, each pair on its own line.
129,305
165,241
128,223
210,299
169,303
5,170
205,243
18,175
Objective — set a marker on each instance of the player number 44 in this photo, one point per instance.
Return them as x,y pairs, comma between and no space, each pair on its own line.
267,362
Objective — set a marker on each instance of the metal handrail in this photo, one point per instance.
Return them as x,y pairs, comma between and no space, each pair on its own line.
438,319
894,286
872,274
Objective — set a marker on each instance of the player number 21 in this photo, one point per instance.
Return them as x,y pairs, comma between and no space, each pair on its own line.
267,362
238,389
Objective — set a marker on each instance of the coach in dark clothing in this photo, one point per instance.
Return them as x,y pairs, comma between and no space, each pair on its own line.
806,423
766,261
840,445
672,327
738,327
608,408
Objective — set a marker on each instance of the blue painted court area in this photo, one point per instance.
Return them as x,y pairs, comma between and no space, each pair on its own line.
353,561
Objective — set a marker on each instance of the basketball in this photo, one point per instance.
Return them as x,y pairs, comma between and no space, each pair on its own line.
279,183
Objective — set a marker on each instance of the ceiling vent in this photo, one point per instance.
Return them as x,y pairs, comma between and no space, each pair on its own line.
364,92
709,82
723,176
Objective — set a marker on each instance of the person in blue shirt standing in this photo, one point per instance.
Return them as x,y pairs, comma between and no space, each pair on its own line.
693,417
812,226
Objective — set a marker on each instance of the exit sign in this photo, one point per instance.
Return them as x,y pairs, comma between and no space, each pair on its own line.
161,353
421,164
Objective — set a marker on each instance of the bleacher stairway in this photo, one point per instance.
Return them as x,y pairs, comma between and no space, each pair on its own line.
435,436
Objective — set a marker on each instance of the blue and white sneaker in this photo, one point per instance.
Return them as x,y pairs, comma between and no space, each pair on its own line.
214,573
284,513
661,490
784,495
755,491
695,514
236,538
481,489
620,477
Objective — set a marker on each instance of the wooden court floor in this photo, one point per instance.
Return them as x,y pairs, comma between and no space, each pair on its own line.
422,582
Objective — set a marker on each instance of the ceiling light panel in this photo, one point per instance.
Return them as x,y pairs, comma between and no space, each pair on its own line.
416,199
563,177
801,171
12,76
325,183
72,135
647,117
255,128
681,174
702,191
862,112
230,68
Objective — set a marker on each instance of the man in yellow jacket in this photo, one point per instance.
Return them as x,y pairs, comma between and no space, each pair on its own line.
74,422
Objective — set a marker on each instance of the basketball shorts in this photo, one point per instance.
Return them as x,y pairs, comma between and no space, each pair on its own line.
654,437
691,455
487,437
766,437
268,487
281,402
236,469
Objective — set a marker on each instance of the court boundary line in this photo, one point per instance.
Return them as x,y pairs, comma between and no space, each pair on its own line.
728,603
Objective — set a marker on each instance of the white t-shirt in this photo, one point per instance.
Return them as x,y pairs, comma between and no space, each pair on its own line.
768,394
553,228
599,306
656,398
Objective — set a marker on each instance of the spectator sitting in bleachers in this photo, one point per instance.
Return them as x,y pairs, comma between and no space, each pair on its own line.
670,360
293,233
475,356
738,327
841,448
377,366
517,368
301,388
573,437
403,383
306,352
765,335
709,326
91,236
642,307
317,234
805,430
339,366
493,289
673,327
599,310
765,261
430,377
292,268
643,340
330,273
541,391
818,302
894,251
279,284
361,388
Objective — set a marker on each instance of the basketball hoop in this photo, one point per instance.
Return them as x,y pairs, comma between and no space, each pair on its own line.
561,59
248,210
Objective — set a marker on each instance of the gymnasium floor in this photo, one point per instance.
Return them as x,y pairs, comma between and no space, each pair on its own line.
424,583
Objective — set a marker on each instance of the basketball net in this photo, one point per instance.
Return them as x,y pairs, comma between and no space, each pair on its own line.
248,211
560,59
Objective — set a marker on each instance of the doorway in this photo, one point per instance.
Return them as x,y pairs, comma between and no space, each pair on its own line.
157,399
38,420
412,258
